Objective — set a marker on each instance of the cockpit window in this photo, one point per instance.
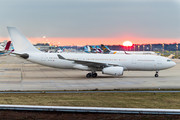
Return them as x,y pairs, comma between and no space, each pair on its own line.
169,60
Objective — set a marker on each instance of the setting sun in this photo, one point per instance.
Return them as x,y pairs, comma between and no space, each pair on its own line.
127,43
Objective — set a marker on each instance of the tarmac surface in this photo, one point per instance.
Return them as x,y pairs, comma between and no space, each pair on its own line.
19,75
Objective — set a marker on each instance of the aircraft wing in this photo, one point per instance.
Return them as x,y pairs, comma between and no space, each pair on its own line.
91,63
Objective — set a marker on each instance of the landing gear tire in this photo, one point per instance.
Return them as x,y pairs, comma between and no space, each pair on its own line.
94,75
156,75
88,75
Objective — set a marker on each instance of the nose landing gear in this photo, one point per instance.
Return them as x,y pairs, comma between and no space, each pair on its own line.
156,75
93,74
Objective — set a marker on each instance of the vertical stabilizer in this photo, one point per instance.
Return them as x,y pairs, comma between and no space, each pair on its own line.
105,49
92,50
85,49
8,45
99,49
89,49
20,43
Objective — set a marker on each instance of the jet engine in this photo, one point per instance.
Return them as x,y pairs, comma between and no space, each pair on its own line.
117,71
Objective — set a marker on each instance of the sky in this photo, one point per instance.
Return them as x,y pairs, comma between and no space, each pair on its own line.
92,22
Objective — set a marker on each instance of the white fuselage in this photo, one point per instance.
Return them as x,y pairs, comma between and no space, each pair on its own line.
129,62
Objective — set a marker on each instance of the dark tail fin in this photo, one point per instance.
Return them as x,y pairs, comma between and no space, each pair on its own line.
105,49
7,45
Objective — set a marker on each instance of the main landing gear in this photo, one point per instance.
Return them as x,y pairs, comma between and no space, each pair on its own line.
93,74
156,75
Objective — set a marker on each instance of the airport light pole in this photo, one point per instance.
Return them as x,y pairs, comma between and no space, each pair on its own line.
150,47
177,49
134,47
138,47
163,48
44,37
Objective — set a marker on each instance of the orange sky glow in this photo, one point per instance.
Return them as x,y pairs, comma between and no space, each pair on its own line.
98,41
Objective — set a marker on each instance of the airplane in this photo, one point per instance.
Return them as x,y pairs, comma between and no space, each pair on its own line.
111,64
171,56
60,50
93,49
99,49
4,47
106,50
8,46
86,49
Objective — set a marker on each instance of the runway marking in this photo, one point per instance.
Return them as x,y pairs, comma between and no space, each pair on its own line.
2,63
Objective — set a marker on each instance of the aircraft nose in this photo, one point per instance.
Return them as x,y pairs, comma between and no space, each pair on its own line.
173,64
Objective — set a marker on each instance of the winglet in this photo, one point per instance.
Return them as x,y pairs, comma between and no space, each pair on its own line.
25,55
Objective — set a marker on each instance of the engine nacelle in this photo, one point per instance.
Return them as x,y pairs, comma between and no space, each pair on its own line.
117,71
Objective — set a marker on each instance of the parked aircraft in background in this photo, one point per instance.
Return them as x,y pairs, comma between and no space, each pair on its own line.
98,49
93,49
60,50
86,49
107,63
11,47
106,50
4,46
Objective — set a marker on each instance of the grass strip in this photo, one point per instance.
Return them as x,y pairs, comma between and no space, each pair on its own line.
121,100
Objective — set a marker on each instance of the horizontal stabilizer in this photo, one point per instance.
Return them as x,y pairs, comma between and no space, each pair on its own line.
24,55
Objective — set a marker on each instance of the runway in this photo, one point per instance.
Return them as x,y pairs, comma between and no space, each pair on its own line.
19,75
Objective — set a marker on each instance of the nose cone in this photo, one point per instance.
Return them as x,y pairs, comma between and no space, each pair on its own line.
173,64
168,64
